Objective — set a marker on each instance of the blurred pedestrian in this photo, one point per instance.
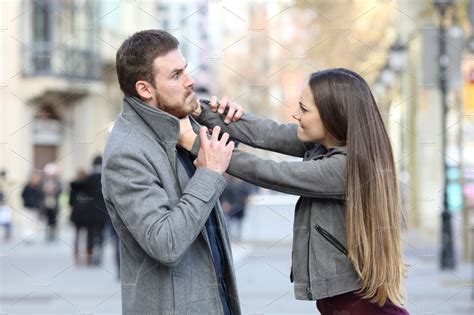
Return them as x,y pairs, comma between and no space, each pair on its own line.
51,189
89,211
31,196
234,201
112,236
5,217
5,209
79,217
347,247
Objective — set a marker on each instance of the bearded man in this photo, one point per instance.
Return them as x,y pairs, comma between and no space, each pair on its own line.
175,251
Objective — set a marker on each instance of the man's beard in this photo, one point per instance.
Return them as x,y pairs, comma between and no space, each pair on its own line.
179,110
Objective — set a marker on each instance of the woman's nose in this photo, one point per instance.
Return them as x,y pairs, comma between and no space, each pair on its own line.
296,116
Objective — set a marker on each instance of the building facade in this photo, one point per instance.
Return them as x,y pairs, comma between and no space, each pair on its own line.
59,91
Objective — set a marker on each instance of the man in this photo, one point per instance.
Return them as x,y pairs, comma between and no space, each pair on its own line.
89,211
175,251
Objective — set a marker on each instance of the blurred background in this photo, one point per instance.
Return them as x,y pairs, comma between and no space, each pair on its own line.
60,97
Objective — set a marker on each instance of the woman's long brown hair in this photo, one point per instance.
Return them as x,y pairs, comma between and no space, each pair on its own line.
373,208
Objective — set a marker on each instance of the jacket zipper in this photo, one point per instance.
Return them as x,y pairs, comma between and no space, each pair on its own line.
331,239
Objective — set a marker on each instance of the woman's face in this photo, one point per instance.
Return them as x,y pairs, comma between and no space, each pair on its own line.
311,127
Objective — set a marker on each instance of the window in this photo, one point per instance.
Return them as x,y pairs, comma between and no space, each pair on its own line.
41,21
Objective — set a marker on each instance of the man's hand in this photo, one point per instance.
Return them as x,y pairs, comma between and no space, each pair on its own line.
186,134
234,113
214,154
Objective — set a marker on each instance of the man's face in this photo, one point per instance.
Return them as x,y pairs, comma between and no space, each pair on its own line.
173,90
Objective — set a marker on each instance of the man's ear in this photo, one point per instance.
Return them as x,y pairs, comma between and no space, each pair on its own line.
144,90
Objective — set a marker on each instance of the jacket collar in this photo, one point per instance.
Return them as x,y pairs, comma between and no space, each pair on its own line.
319,151
165,127
336,150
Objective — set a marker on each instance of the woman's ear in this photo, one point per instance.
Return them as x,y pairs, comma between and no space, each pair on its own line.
144,90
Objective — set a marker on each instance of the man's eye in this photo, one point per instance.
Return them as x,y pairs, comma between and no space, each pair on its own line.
176,75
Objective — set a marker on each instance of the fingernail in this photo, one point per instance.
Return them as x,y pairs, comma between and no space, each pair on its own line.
227,121
221,111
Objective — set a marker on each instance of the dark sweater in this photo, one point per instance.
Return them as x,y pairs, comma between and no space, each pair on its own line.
214,241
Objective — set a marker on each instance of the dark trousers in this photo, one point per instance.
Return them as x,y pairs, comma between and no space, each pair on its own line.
352,304
8,230
94,240
51,218
112,235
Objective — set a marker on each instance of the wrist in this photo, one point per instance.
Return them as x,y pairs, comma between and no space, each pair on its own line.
189,141
197,112
214,169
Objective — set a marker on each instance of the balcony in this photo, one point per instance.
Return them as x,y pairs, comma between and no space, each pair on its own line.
60,39
42,59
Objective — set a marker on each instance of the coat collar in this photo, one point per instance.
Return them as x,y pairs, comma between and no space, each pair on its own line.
319,151
337,150
165,127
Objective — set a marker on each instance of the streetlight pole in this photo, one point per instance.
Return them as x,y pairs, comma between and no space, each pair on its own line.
447,246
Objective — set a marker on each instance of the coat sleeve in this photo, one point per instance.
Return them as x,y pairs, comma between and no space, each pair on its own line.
322,178
258,132
163,231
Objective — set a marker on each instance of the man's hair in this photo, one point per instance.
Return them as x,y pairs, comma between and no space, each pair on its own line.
134,58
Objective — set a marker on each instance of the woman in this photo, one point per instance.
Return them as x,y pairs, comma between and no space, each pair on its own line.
346,244
51,189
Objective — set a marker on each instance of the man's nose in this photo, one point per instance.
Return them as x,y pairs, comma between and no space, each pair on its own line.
189,81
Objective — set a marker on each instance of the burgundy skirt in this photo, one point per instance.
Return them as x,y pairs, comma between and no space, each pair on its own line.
352,304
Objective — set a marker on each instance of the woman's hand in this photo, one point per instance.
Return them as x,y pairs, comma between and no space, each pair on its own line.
234,111
186,134
197,112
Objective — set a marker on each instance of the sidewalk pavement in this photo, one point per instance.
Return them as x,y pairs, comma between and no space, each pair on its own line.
431,290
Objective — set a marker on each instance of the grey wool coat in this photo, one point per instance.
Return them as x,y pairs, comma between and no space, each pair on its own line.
159,214
320,266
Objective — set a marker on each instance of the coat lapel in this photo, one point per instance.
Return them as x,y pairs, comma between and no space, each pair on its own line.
166,130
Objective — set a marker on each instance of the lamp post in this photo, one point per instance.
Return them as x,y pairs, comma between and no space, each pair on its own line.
393,67
447,247
397,56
